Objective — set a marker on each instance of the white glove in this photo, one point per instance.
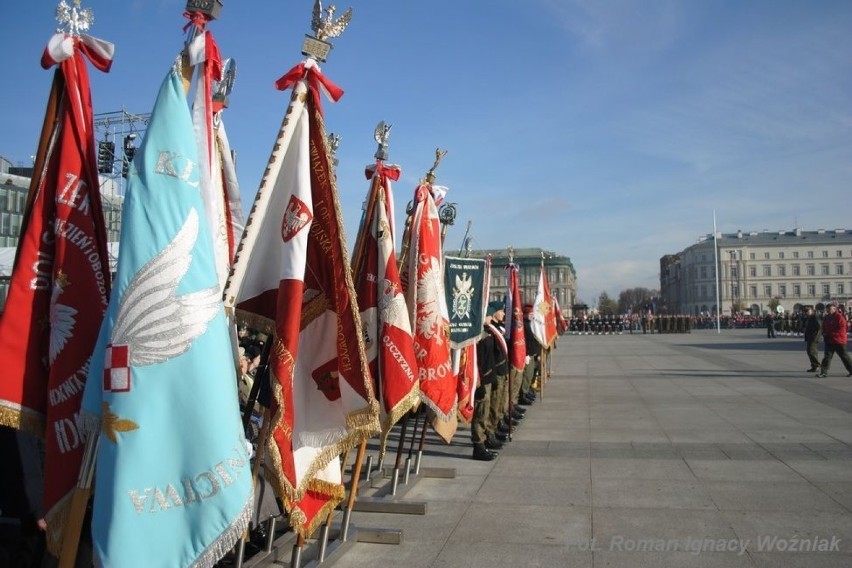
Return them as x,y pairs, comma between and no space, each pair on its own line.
527,360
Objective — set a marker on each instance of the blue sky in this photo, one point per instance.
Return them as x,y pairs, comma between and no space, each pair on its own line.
605,130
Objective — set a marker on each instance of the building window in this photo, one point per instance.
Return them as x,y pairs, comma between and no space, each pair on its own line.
766,255
838,268
782,290
703,271
767,290
781,255
811,290
795,254
703,292
825,254
823,269
797,271
810,254
826,290
797,290
752,290
767,270
752,271
782,270
734,272
735,291
839,253
841,290
811,270
751,256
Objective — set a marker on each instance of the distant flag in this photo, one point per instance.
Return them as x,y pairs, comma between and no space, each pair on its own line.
173,484
60,281
515,321
423,281
384,315
292,279
544,318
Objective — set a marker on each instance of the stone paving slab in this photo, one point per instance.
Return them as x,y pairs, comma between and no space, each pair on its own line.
700,449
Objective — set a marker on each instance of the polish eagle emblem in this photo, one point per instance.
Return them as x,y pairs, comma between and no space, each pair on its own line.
296,216
325,26
153,321
429,320
462,296
62,319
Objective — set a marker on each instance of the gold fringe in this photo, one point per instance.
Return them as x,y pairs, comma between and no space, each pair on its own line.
401,409
298,519
22,418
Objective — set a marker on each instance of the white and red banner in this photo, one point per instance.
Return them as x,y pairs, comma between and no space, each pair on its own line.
292,279
217,174
384,315
423,281
60,282
544,316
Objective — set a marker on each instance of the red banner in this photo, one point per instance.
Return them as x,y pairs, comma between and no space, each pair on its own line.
515,322
58,292
424,292
384,314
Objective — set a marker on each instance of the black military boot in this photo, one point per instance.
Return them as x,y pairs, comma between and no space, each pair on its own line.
492,443
481,453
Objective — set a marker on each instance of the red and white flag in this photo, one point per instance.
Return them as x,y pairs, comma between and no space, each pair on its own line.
423,281
544,316
217,175
60,282
384,315
292,279
515,321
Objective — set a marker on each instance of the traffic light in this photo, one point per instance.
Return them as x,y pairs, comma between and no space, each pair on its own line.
106,156
129,152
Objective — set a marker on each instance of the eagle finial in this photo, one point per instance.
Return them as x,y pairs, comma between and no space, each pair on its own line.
326,26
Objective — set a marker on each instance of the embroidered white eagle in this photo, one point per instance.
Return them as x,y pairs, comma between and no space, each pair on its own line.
153,321
62,321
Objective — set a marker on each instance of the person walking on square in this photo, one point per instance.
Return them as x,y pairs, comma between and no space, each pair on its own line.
835,336
812,327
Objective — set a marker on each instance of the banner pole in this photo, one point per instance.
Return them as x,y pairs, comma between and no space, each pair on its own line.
79,502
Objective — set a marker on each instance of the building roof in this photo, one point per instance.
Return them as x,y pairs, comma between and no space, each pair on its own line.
784,238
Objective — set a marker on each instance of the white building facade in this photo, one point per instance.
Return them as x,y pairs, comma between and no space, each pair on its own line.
758,271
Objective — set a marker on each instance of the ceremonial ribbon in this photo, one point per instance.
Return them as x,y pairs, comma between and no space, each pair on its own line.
197,19
61,47
316,82
385,172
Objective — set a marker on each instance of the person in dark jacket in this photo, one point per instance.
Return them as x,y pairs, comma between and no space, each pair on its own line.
812,327
835,336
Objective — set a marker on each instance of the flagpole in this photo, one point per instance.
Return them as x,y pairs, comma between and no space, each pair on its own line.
716,262
381,134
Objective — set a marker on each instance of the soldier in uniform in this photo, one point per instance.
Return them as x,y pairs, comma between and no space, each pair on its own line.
482,432
528,395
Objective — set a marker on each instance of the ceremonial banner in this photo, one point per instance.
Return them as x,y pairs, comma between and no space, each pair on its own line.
468,373
544,318
515,321
384,315
217,176
464,283
173,484
60,281
427,304
292,279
